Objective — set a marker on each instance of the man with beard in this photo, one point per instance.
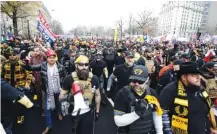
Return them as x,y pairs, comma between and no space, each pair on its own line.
83,123
38,58
52,74
121,74
186,105
136,109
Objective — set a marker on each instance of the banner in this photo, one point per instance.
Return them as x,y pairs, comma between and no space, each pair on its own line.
44,26
115,34
42,30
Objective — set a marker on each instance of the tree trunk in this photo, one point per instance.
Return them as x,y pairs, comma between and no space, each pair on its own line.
15,25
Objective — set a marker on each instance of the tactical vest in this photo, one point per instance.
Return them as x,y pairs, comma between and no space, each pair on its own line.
87,90
144,124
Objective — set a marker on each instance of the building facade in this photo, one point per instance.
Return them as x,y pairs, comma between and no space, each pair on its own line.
209,19
23,23
180,18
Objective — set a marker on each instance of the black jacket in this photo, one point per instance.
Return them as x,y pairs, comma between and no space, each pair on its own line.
43,72
10,109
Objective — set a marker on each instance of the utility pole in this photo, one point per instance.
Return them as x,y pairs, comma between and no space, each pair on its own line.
28,29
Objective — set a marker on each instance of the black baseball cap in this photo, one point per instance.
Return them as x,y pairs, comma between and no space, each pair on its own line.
129,54
211,64
139,73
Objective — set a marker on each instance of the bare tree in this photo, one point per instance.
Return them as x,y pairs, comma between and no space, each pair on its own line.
146,22
56,27
120,24
130,24
211,30
18,10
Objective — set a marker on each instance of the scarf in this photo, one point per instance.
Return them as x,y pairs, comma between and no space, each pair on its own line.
179,123
53,86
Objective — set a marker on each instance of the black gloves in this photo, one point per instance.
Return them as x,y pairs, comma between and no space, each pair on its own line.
141,107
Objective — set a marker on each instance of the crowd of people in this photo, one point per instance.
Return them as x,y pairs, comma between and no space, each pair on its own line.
154,88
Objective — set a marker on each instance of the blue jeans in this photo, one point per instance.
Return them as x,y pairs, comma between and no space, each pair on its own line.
48,111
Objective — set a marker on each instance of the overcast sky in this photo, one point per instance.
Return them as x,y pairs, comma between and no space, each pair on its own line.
72,13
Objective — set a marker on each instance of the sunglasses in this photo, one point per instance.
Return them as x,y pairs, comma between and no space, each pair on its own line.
12,55
83,64
138,81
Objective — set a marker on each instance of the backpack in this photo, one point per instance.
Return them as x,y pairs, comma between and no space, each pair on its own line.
109,54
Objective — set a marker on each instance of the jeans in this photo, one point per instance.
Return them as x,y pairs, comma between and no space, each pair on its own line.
48,111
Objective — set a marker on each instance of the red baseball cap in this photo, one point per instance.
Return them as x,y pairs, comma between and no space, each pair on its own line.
50,53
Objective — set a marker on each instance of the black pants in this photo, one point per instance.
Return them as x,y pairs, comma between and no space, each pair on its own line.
83,124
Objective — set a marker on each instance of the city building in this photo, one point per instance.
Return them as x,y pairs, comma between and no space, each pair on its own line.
180,18
209,19
23,23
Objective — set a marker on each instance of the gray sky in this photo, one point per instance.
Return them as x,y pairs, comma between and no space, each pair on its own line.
72,13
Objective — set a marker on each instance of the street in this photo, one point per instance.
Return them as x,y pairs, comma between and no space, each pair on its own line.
35,123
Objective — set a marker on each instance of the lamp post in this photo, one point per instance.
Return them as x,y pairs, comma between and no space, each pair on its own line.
28,29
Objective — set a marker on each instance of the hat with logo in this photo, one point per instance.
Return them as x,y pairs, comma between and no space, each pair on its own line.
129,54
139,73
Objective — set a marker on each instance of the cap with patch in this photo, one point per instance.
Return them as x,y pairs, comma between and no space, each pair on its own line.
211,64
129,54
139,73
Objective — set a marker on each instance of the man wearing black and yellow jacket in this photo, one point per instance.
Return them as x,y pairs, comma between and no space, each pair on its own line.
136,108
186,105
15,74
